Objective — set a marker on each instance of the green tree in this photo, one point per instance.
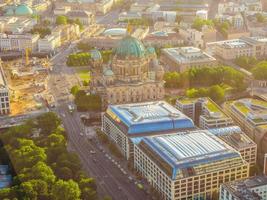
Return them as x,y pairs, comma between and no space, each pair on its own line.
56,140
260,71
43,172
216,93
87,102
61,20
199,23
67,190
48,122
74,90
64,173
89,194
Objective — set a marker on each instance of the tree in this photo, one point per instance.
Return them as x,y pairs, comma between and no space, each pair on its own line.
61,20
43,172
89,194
107,198
56,140
178,19
74,90
84,46
87,102
260,71
67,190
172,79
48,122
216,93
260,18
64,173
199,23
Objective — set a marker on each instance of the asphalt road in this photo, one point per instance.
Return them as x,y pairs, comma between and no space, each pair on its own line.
110,179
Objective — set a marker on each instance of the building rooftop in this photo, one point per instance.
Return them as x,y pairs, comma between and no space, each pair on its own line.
187,55
186,150
242,188
149,117
253,110
233,136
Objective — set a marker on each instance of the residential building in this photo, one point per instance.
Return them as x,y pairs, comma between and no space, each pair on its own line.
246,6
125,123
188,165
245,46
159,39
134,75
237,139
251,116
205,113
18,42
4,93
254,188
181,59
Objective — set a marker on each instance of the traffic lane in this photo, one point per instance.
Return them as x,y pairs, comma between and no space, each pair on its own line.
83,150
117,175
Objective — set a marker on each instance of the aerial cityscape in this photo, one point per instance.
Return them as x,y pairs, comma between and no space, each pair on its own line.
133,99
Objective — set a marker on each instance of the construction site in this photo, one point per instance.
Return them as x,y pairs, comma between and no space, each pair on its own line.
27,81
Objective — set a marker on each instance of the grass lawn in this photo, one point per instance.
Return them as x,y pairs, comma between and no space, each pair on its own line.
84,75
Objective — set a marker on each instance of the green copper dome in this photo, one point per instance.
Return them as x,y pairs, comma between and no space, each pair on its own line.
23,10
130,47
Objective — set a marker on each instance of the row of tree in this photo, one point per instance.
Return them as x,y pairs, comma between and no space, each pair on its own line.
205,77
63,20
43,169
79,59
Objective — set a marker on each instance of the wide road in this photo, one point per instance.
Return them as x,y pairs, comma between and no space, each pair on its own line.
110,180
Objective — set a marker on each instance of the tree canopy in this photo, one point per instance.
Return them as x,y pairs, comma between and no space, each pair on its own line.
260,71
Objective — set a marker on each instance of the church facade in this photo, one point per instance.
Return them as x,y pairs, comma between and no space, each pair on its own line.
134,75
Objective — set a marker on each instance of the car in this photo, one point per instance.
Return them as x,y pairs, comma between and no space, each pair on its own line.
81,134
92,152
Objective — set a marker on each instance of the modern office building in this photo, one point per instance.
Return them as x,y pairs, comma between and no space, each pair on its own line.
188,165
237,139
245,46
122,123
205,113
254,188
4,93
251,116
181,59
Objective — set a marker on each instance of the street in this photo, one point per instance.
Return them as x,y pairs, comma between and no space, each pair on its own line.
110,179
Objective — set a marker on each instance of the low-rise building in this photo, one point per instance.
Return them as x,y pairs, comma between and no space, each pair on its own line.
49,43
205,113
183,58
85,17
188,165
245,46
161,39
67,32
4,94
124,123
237,139
254,188
18,42
251,116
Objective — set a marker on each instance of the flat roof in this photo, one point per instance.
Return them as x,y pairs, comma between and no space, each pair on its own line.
189,149
242,188
187,55
233,136
252,109
149,117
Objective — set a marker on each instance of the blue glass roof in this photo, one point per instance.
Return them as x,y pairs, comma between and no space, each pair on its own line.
150,117
225,130
184,150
